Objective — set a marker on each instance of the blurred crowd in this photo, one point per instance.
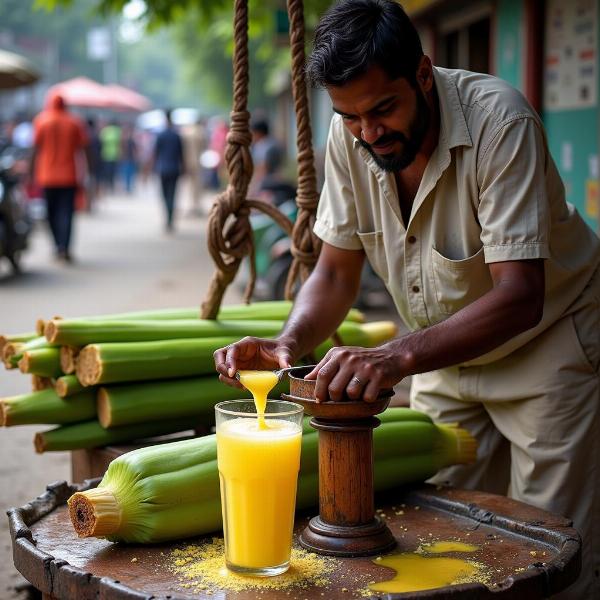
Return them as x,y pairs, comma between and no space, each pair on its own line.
70,161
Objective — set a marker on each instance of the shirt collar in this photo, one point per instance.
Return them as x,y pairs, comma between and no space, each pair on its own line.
453,125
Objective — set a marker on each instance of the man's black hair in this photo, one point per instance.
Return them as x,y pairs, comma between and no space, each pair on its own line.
355,35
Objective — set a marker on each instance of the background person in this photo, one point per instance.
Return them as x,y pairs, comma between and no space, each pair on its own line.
59,139
443,179
168,163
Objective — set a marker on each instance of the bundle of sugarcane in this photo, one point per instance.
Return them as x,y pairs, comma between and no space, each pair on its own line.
171,491
128,354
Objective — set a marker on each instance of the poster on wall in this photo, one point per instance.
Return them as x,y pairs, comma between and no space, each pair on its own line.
570,55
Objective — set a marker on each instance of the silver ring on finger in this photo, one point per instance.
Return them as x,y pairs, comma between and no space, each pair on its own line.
356,380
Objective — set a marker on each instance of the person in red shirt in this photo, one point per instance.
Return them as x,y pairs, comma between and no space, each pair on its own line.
59,139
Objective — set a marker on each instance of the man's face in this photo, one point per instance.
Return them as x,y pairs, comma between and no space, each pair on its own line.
390,118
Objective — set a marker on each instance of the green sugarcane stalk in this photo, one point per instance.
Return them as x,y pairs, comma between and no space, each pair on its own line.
119,405
90,434
68,385
82,333
13,351
42,361
136,361
277,310
47,408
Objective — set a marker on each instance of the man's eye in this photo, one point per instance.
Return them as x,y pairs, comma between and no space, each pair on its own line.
385,111
348,118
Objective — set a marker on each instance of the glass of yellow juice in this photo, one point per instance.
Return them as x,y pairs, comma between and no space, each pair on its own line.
258,470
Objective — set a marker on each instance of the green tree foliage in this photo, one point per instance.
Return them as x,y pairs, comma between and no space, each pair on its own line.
203,30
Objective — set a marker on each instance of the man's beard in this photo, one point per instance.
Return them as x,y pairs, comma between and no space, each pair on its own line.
410,146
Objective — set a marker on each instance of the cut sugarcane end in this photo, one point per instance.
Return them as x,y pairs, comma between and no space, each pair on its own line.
4,410
68,356
40,325
461,445
11,349
94,513
23,364
51,331
61,388
89,365
103,408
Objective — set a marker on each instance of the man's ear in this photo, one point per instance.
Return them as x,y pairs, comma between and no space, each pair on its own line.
425,74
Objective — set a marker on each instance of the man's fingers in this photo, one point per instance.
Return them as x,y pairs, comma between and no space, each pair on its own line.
326,373
314,373
339,383
233,382
356,386
371,391
220,357
231,359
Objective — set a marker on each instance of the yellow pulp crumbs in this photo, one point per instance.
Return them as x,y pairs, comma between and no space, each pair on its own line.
202,568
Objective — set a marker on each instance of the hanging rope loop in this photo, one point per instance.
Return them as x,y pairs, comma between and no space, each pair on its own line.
305,244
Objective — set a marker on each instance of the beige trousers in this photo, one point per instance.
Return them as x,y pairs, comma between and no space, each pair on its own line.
536,415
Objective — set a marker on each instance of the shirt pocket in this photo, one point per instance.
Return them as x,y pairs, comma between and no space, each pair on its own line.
457,283
372,243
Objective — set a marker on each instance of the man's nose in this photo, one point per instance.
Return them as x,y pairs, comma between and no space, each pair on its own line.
371,133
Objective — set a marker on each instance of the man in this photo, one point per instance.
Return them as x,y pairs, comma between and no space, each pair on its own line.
168,162
59,140
443,179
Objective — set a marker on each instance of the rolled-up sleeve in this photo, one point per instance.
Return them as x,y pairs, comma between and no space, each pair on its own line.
513,206
336,221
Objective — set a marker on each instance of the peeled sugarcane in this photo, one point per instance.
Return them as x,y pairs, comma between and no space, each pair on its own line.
135,361
67,385
68,357
47,408
90,434
171,491
196,397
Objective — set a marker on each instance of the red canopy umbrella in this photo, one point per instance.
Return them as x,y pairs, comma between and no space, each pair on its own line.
125,99
82,91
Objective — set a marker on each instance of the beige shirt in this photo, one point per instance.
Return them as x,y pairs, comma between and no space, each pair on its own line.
490,193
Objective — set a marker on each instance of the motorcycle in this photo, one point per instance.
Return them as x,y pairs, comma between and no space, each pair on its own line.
273,258
15,221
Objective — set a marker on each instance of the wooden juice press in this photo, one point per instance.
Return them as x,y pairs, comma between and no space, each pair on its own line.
346,524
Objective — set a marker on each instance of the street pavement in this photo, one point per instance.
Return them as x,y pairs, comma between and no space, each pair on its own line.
124,260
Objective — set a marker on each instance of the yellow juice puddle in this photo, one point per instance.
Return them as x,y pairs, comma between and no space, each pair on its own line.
259,384
415,571
450,546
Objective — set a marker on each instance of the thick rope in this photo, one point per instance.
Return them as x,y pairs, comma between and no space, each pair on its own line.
229,231
305,244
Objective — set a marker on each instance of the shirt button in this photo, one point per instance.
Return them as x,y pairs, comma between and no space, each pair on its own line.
412,239
416,289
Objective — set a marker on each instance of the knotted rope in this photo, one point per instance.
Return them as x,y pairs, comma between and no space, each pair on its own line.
305,244
229,231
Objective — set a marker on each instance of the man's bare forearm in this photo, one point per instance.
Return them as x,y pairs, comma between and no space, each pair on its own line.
321,305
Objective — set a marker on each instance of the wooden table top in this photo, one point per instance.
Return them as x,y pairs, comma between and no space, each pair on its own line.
527,553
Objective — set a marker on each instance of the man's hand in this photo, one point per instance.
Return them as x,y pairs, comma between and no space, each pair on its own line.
252,353
357,372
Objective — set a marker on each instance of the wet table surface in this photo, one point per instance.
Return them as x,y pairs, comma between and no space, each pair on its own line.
527,553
